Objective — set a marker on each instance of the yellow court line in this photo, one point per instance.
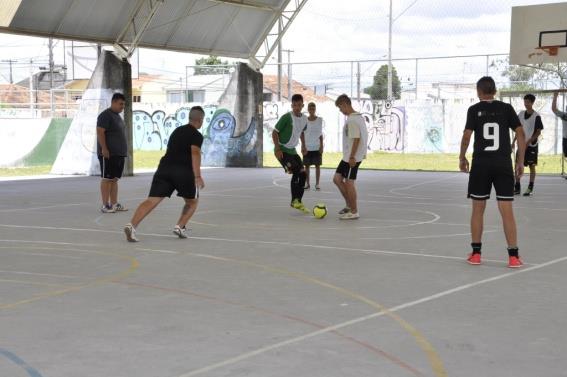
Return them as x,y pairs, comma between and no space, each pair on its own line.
134,264
433,357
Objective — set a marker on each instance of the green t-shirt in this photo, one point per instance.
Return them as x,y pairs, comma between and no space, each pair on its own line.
289,128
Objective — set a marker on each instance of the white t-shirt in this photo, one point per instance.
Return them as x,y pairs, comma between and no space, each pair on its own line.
563,117
530,125
312,133
355,128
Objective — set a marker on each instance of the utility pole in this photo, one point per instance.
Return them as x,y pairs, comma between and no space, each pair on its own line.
10,61
51,66
280,61
289,79
391,21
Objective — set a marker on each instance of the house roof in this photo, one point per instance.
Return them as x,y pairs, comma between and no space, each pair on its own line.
235,28
20,96
271,84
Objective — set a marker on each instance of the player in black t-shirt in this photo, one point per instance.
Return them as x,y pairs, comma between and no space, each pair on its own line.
491,122
179,169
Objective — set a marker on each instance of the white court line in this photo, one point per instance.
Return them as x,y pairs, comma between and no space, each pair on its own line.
394,190
424,237
349,249
339,326
48,242
37,208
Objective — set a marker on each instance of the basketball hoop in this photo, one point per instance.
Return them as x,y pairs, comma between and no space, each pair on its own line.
549,50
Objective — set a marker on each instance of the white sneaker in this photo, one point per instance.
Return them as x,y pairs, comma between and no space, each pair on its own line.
119,208
130,233
181,232
344,210
350,216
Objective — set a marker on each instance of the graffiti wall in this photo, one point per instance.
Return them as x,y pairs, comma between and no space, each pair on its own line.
230,130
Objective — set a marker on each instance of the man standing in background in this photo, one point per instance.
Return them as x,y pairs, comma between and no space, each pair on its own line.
112,150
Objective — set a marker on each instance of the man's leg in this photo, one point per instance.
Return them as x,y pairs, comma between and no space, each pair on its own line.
144,209
113,191
317,174
105,189
187,212
477,220
532,174
350,190
338,180
508,222
307,185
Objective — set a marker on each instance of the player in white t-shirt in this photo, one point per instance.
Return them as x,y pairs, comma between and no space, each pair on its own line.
314,142
532,125
355,145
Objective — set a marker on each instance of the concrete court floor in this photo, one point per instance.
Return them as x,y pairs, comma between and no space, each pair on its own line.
261,290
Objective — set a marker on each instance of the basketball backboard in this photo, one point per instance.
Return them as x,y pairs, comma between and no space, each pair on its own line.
539,34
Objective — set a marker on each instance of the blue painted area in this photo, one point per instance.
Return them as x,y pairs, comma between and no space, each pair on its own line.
32,372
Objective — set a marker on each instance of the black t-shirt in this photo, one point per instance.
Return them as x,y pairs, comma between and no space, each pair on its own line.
114,133
491,122
179,147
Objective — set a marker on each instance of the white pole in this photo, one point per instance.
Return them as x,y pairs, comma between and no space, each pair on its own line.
390,54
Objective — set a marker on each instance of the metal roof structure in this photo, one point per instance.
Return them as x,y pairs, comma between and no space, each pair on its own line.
249,29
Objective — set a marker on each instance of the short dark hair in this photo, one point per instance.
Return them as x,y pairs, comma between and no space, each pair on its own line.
297,98
118,96
311,104
486,85
194,110
530,97
343,98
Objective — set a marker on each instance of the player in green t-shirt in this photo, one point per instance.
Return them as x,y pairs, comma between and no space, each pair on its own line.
286,135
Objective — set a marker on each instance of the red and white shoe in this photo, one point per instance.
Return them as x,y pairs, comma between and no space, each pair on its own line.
474,259
515,262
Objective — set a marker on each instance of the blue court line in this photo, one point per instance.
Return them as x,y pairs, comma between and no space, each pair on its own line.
19,362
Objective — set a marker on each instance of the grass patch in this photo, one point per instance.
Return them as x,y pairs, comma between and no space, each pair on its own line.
548,164
31,170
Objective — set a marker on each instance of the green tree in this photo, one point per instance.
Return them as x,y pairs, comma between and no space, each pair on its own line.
379,88
532,77
207,63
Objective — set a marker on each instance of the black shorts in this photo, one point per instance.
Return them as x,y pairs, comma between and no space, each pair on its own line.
565,147
166,180
530,157
313,158
291,163
346,171
485,174
111,168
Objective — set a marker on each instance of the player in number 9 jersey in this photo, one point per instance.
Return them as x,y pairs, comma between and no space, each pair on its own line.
491,122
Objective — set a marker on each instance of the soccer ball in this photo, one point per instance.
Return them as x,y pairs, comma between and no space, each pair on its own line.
320,211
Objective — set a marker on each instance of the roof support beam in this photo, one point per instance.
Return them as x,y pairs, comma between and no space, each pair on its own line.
246,4
265,49
131,35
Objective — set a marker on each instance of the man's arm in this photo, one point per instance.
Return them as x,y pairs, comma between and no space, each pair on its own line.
352,158
521,137
465,141
101,138
321,144
276,139
196,161
303,146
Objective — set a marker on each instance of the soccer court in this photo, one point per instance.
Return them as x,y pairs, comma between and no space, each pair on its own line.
261,290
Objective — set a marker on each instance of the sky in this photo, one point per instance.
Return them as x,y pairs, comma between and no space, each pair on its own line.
327,30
